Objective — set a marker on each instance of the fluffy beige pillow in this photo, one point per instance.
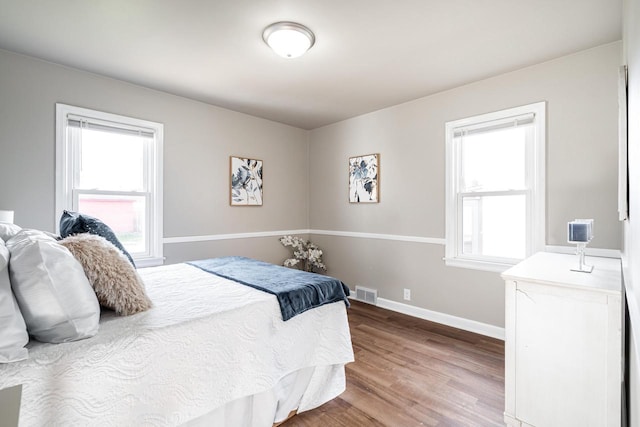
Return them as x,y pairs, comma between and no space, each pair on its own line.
116,283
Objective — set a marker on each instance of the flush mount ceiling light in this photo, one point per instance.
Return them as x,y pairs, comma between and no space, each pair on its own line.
288,39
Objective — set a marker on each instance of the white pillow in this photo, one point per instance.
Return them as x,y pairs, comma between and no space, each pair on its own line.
8,230
13,331
54,295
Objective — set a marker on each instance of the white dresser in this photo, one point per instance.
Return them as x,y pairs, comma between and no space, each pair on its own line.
563,345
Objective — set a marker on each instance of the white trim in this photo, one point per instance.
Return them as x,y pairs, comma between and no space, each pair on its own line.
597,252
623,145
149,262
444,319
156,245
634,313
213,237
502,267
394,237
62,185
497,267
539,176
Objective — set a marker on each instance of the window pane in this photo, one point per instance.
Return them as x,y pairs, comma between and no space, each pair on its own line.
493,161
111,161
494,226
124,214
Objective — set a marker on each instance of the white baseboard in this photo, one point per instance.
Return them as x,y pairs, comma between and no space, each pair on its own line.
442,318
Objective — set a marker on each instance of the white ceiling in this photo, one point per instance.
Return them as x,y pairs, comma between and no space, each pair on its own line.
369,54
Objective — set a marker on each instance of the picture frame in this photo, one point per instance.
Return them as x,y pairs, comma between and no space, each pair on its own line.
245,181
364,178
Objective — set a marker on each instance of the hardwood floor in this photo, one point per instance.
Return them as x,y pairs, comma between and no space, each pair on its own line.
412,372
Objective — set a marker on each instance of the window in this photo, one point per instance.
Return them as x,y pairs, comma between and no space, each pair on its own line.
495,188
110,167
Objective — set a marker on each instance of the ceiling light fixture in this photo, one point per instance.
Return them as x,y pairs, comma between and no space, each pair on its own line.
288,39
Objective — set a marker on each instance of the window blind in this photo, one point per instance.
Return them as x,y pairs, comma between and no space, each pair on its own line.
493,125
106,126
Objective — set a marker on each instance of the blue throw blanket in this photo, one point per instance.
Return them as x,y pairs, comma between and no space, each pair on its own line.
297,291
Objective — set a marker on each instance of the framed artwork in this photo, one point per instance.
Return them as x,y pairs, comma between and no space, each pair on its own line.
364,178
246,181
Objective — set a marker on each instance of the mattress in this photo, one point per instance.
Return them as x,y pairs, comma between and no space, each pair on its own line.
207,341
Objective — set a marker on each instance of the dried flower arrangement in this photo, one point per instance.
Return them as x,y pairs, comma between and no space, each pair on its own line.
306,255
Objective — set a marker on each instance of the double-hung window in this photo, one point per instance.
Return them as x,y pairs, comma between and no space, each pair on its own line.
110,167
495,188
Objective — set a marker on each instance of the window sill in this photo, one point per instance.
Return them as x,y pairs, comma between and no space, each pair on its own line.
498,267
149,262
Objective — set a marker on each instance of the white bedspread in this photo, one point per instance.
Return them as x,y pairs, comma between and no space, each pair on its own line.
206,342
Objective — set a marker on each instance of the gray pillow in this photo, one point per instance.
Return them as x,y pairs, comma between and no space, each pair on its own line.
13,331
76,223
54,295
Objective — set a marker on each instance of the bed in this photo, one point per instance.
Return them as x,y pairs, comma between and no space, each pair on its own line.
210,352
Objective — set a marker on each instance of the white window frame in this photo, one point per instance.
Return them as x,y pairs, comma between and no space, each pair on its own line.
66,195
535,189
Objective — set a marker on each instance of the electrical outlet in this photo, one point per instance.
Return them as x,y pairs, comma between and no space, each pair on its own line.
407,294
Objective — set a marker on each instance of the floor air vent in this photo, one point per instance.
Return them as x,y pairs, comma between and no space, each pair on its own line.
366,295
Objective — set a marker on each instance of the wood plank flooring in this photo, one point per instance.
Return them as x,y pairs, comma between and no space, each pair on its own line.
412,372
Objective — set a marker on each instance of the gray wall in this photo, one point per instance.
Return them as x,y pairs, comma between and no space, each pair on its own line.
306,172
631,250
198,140
581,95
